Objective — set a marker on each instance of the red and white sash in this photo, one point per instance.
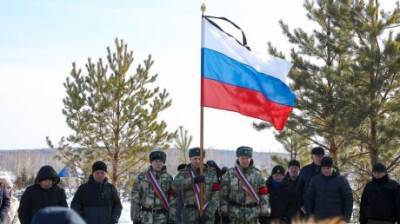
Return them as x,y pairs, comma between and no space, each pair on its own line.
246,185
196,190
157,189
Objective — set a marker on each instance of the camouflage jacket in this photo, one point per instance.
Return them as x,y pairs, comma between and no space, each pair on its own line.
236,202
143,197
183,183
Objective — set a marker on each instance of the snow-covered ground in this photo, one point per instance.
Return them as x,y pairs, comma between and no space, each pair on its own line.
126,213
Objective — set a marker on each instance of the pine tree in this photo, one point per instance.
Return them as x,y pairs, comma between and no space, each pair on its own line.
113,114
377,79
321,69
182,142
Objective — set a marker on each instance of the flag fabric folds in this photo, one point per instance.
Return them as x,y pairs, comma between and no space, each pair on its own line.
237,79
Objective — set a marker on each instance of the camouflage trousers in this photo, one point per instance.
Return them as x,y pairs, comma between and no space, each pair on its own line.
191,214
244,215
154,218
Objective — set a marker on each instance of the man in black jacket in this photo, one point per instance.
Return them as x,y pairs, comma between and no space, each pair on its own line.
329,195
97,201
43,193
279,197
292,179
380,201
307,173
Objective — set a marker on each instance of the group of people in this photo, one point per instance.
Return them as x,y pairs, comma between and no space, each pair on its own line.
241,195
212,195
45,202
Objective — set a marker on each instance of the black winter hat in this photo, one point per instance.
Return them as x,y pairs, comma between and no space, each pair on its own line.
318,151
278,169
327,162
379,167
194,152
158,155
244,151
294,163
99,165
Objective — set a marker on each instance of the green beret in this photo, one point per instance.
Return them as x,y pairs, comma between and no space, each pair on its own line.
244,151
158,155
194,152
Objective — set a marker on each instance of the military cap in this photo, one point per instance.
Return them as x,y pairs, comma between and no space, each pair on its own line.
244,151
194,152
158,154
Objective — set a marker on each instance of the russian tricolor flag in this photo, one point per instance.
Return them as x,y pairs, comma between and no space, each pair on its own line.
237,79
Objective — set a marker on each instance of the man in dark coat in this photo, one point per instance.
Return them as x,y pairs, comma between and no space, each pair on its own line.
4,203
97,201
307,173
380,200
43,193
279,197
329,195
292,179
57,215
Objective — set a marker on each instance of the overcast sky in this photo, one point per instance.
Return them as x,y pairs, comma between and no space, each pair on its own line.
40,39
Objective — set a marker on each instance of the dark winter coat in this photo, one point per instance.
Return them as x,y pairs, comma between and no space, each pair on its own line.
4,203
57,215
292,192
35,198
380,201
329,197
279,199
97,203
306,173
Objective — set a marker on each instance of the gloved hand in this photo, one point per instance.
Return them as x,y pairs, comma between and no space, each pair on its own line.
199,179
212,163
223,170
181,167
202,219
263,219
225,219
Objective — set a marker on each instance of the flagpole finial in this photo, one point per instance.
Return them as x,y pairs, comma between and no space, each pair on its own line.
203,8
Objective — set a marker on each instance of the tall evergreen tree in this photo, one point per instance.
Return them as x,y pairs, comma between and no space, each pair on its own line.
113,114
321,69
377,79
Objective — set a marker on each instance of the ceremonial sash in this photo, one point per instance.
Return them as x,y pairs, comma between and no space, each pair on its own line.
157,189
196,190
246,185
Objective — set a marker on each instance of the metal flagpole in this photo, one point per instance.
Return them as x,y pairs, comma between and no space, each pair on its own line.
202,185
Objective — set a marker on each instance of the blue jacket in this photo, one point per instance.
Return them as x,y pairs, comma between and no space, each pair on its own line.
307,172
329,197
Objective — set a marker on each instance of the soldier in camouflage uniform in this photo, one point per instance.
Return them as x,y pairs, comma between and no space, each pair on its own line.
188,181
151,201
244,196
